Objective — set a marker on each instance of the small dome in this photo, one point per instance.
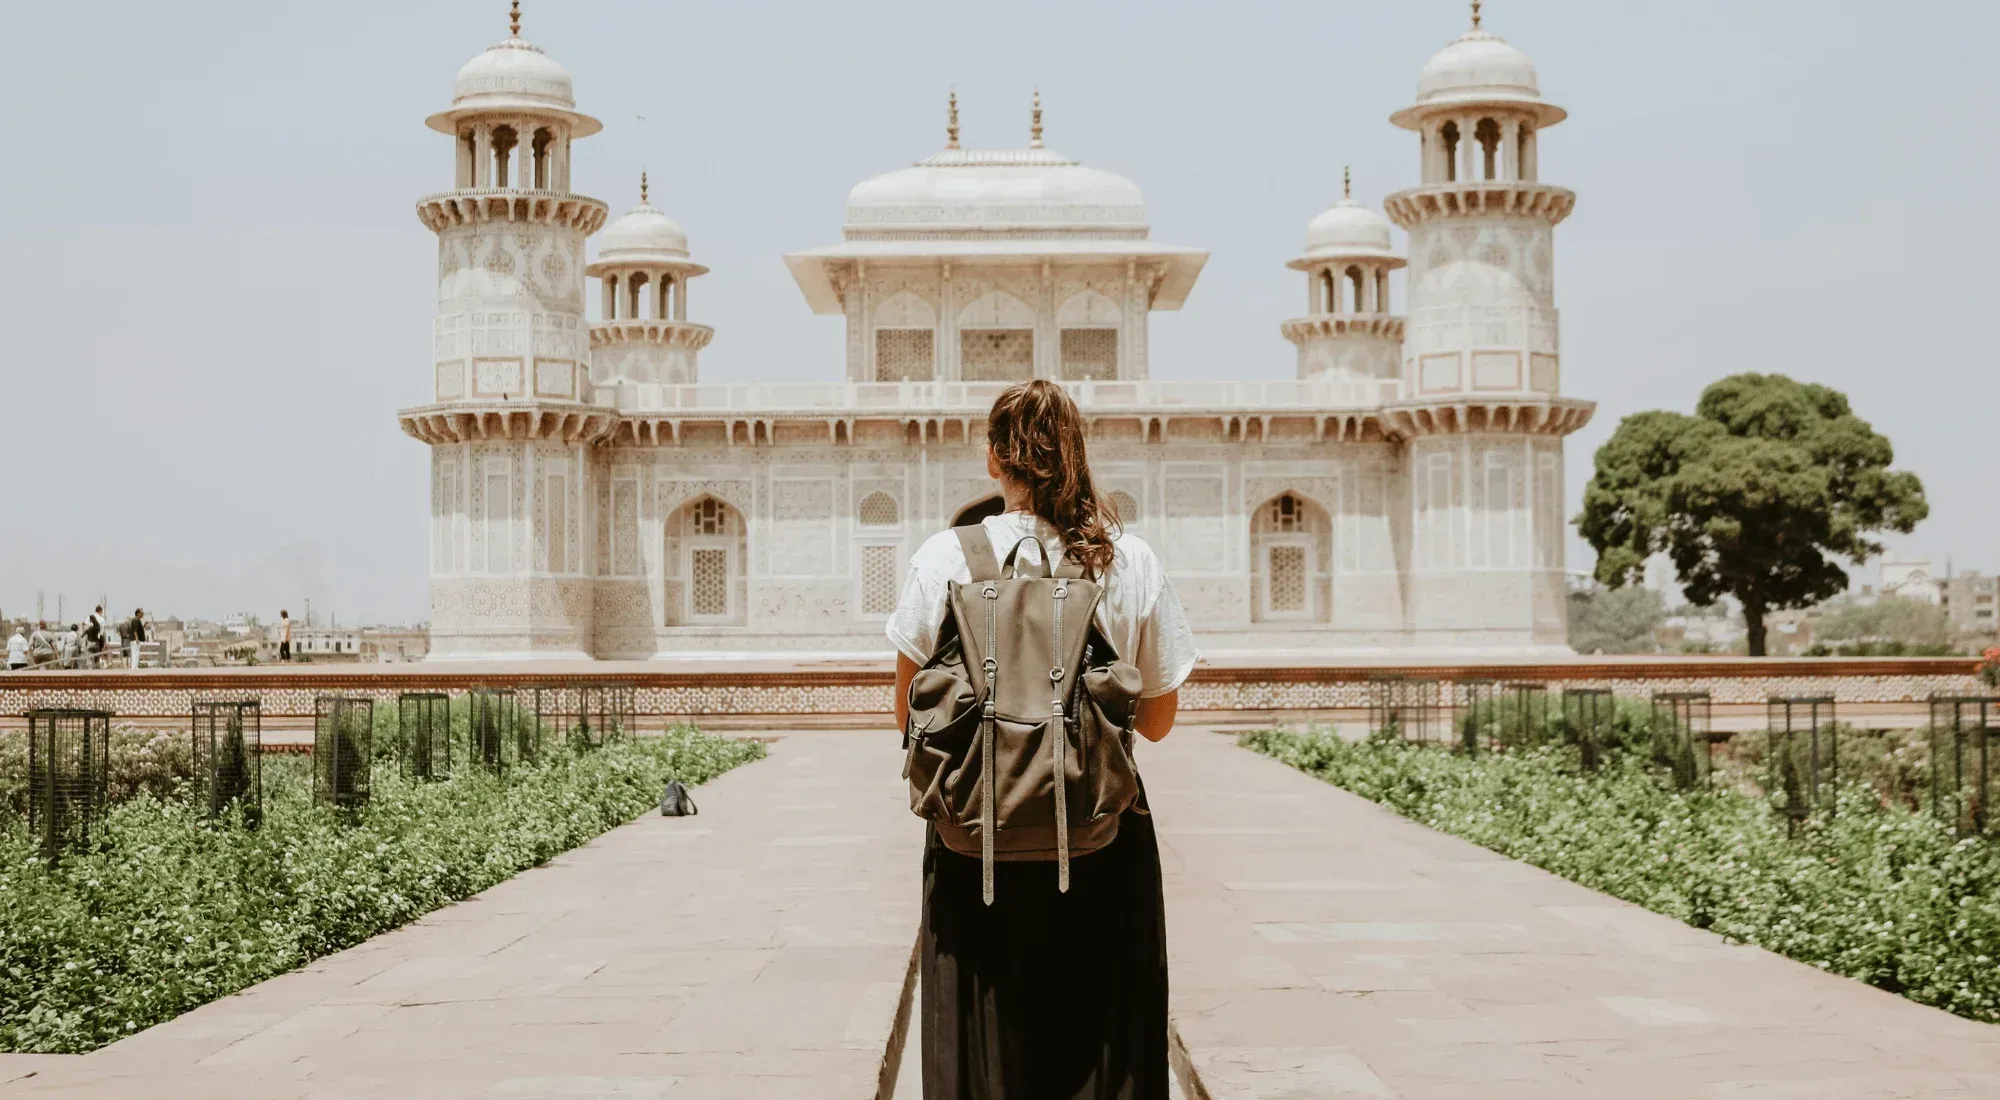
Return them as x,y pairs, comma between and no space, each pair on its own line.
642,233
997,189
514,75
1348,228
511,74
1479,67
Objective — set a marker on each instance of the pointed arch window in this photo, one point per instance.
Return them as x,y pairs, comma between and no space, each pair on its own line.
879,509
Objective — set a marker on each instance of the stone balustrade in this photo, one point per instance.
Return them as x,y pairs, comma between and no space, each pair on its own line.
848,693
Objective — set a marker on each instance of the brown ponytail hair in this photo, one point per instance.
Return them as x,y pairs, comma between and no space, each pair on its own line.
1036,435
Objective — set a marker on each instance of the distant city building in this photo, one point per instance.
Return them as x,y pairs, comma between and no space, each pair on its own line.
394,645
1973,602
1911,580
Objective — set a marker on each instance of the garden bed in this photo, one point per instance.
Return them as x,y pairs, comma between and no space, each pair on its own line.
1872,890
171,911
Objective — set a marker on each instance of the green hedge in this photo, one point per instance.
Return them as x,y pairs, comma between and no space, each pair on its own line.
1874,892
172,912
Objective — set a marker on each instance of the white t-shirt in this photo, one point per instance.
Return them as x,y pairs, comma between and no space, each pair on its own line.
1140,613
17,650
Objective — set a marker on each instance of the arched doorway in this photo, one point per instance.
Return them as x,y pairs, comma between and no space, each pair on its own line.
1291,560
979,510
705,563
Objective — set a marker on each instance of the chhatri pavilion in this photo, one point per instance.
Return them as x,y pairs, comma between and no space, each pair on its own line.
592,497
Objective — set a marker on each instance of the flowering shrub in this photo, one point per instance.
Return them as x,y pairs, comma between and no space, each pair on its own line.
1989,666
172,913
150,760
1874,892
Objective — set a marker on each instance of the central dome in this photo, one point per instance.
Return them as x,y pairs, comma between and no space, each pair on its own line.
973,191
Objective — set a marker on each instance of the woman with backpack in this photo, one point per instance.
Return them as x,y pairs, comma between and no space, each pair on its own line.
1044,969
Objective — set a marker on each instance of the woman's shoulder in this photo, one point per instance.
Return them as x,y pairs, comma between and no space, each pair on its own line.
1135,558
941,553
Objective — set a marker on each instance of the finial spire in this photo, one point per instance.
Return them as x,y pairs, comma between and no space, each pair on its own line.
1476,5
642,187
951,120
514,19
1347,181
1035,128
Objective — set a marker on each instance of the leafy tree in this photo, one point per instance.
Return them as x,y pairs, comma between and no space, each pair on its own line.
1757,496
1889,619
1615,620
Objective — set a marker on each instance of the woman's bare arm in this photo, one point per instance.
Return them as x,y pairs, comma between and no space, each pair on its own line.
1155,717
906,670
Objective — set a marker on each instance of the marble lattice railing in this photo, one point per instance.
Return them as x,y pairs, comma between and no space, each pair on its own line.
861,695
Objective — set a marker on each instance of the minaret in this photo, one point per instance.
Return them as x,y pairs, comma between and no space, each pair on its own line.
1482,414
512,413
643,336
1349,333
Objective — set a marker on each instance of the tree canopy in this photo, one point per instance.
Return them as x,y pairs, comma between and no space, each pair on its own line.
1888,619
1760,495
1615,620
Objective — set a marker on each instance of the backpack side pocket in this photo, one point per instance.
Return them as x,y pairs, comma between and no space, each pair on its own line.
1113,690
944,713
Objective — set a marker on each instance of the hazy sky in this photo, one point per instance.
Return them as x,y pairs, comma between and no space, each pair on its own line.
217,292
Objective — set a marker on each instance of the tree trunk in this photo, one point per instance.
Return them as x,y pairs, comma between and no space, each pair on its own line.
1753,621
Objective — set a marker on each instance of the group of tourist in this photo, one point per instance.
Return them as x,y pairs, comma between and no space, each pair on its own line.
78,645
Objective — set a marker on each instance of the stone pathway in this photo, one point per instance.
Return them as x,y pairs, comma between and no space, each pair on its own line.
757,950
1323,947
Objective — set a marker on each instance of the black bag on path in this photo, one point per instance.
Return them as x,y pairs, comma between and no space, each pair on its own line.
676,802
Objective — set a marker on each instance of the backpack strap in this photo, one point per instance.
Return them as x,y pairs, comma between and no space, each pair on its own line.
978,549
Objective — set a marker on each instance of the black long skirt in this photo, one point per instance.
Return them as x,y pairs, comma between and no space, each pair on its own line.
1046,995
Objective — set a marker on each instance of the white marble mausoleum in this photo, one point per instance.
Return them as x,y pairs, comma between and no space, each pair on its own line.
591,496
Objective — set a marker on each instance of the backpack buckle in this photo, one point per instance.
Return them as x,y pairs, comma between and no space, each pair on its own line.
1055,675
1061,592
989,592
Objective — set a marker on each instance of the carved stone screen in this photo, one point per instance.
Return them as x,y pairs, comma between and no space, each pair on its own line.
625,534
878,509
709,517
1089,353
1286,515
878,580
904,353
1124,507
996,354
558,525
498,518
709,594
1288,580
